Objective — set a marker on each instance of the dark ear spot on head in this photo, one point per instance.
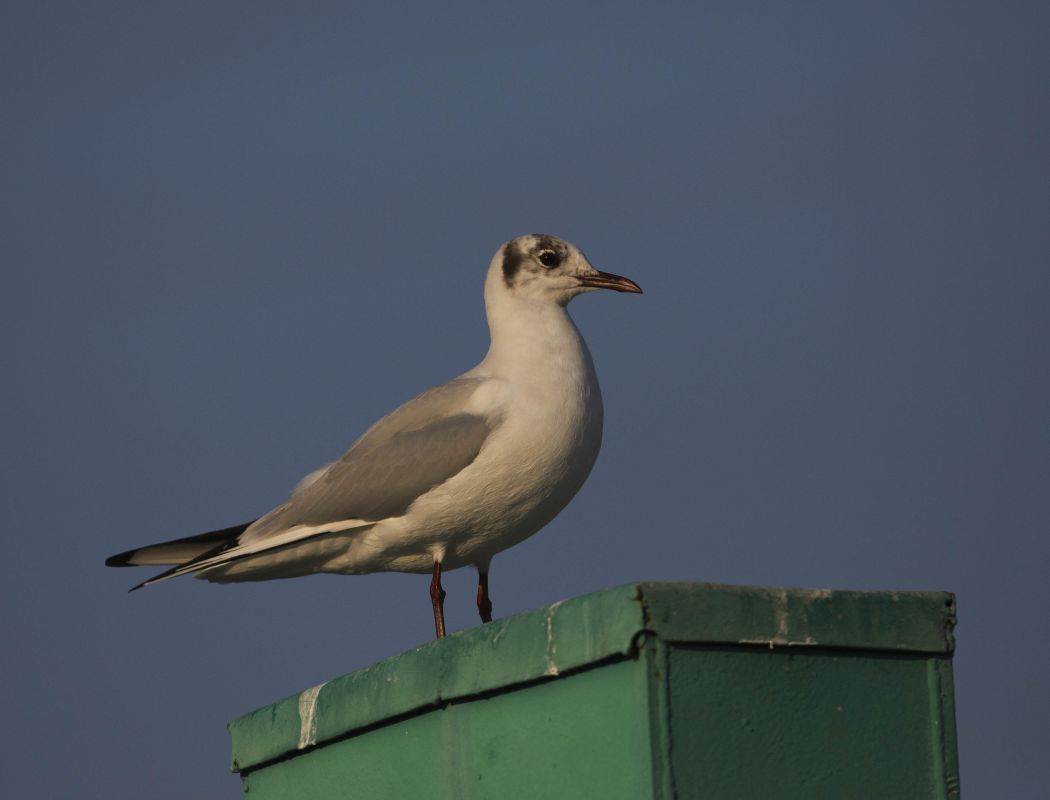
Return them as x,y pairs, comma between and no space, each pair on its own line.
511,263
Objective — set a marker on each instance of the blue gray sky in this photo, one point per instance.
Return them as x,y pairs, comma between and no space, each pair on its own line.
235,234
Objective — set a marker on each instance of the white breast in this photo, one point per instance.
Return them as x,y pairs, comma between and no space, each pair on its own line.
542,389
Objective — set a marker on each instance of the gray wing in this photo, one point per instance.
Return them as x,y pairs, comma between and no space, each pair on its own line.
400,458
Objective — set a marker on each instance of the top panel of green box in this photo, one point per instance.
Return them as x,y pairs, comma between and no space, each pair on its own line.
575,633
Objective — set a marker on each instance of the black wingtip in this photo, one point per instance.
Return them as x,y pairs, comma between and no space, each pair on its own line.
148,554
136,588
121,559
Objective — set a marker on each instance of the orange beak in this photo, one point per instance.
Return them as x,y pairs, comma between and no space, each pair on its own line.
606,280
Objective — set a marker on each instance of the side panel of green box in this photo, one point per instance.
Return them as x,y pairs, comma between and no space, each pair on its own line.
807,724
583,735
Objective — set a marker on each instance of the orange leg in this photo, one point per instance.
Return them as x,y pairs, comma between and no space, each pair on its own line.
437,599
484,603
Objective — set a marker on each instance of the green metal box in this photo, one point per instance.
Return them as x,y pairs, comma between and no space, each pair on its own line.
651,690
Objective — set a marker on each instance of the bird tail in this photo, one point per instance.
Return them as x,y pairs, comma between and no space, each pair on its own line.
180,551
221,548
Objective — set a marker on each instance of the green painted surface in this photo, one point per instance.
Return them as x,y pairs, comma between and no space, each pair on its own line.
525,647
589,729
645,690
802,725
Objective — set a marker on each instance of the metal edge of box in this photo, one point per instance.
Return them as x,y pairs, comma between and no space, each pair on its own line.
779,617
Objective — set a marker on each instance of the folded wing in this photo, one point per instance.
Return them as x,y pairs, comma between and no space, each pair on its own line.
398,460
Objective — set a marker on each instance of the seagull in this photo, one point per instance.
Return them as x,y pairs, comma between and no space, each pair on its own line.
454,476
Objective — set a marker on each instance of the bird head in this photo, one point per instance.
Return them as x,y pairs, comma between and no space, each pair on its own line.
545,268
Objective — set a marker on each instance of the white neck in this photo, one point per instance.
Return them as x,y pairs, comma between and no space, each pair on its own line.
531,337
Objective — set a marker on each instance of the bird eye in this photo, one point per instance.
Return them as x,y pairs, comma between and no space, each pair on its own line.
548,258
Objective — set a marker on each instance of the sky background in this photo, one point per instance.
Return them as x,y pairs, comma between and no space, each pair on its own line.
235,234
